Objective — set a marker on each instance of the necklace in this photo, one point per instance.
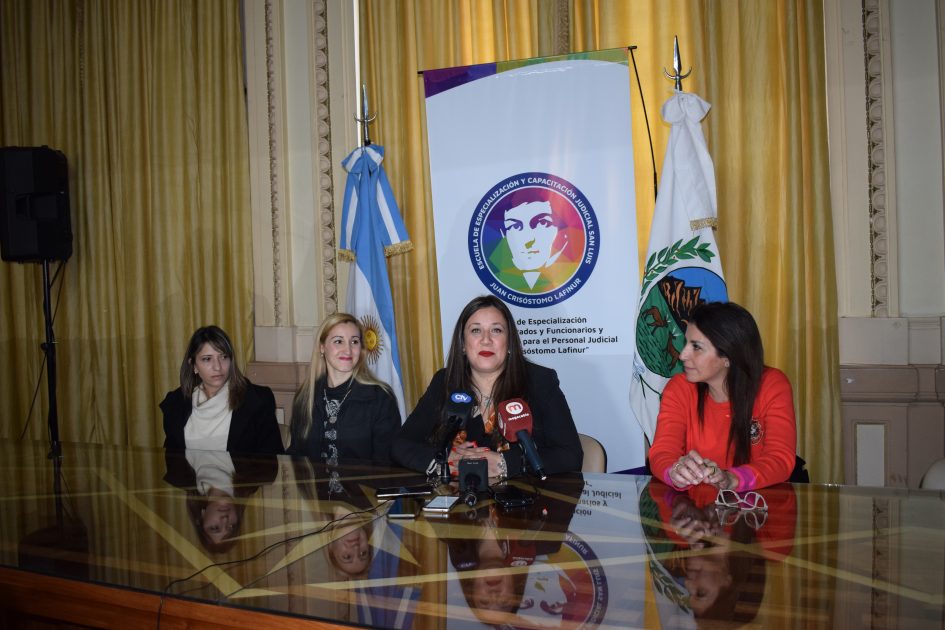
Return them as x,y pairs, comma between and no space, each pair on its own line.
486,410
333,407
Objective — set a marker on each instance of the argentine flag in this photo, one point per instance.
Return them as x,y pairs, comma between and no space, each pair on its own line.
683,267
371,230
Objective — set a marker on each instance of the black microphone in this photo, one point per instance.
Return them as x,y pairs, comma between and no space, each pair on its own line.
515,418
473,479
456,414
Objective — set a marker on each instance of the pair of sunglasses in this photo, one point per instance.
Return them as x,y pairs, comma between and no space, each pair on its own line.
750,501
728,516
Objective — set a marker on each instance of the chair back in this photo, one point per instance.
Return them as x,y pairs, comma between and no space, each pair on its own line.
934,478
595,457
799,474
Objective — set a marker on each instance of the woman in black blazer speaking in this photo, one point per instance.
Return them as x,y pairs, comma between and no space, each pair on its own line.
486,361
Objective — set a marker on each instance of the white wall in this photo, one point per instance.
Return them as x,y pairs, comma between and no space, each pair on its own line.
902,85
918,127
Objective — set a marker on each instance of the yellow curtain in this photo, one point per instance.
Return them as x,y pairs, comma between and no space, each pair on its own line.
399,39
759,62
146,101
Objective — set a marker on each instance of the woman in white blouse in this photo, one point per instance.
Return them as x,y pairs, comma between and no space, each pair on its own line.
216,408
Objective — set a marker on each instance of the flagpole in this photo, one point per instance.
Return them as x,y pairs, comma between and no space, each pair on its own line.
366,118
676,77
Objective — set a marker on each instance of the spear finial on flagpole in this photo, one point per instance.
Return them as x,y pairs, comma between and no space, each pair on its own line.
365,119
677,67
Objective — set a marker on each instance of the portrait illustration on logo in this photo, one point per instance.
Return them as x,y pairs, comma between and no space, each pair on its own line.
533,239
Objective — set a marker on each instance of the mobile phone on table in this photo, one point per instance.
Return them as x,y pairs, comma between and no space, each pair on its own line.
440,504
405,507
512,497
404,491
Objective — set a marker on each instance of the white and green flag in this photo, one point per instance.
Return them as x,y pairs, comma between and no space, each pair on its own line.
683,267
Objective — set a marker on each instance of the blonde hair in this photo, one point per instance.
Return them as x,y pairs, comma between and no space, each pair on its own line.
305,397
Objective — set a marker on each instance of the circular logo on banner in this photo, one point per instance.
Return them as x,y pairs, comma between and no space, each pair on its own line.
534,239
571,597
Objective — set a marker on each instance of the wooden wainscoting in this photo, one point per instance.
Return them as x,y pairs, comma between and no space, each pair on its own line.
42,602
284,379
893,423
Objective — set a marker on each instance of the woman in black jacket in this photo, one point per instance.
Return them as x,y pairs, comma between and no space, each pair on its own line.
342,412
216,408
486,360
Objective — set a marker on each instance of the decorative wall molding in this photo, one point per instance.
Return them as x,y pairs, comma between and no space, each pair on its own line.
876,138
323,158
273,127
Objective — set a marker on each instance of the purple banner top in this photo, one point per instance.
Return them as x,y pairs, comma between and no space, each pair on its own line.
443,79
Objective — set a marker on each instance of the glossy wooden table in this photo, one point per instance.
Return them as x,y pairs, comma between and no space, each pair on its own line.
124,530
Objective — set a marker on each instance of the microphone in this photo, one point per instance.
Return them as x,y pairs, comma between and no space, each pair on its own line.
473,479
456,414
515,418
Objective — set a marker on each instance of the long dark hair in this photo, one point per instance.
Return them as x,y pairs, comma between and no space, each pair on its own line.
734,333
512,383
189,381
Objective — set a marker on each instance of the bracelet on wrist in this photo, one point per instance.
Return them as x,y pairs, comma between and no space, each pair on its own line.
503,467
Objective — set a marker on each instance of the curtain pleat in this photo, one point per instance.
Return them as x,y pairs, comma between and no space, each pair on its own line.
399,39
146,101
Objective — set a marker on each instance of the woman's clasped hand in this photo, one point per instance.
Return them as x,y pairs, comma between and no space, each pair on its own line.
692,469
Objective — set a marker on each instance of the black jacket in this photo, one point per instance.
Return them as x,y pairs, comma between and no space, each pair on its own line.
553,427
249,472
253,428
367,422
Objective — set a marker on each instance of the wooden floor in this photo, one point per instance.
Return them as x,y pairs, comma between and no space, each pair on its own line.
100,540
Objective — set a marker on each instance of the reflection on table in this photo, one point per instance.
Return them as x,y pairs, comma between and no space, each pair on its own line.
607,551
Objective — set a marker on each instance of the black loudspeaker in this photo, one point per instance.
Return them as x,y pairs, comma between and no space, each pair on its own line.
34,205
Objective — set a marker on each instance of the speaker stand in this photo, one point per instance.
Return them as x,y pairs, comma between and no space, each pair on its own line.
52,420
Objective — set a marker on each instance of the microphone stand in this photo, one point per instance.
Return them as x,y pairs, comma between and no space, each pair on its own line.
52,419
441,457
442,466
